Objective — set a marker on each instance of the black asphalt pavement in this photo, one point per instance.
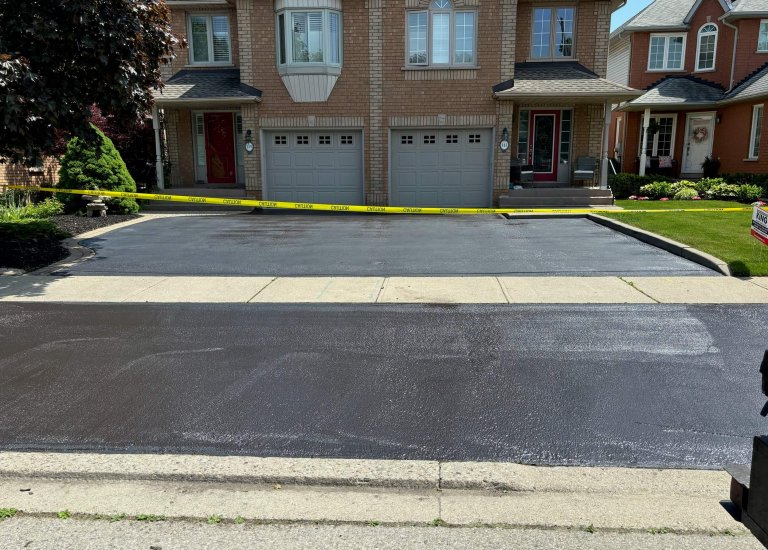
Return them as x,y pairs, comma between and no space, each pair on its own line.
378,245
645,385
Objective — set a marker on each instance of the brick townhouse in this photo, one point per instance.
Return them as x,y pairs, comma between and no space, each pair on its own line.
399,102
703,65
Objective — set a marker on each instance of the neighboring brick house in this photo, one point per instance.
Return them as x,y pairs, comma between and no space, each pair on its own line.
704,67
401,102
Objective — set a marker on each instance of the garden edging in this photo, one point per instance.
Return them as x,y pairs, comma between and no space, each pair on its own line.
679,249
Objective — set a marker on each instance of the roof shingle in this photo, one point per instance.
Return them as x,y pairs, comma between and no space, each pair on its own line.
201,85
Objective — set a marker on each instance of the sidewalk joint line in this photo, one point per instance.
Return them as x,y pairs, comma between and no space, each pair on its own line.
503,290
384,282
249,300
631,284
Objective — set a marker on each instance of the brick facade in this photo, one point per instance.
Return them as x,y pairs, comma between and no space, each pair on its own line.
377,93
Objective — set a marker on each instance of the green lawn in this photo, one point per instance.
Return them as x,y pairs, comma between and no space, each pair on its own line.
722,234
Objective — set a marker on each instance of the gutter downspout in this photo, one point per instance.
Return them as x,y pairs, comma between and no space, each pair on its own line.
735,43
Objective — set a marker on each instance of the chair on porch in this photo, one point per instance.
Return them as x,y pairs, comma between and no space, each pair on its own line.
520,173
585,169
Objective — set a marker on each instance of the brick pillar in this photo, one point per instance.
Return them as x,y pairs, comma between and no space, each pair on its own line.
602,15
252,161
376,187
596,116
504,119
508,38
172,137
245,28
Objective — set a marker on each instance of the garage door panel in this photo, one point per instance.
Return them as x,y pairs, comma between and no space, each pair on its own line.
314,166
446,167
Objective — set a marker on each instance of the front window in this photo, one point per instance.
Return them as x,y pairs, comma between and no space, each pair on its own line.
666,52
441,35
705,57
757,127
553,32
305,37
209,39
662,143
762,37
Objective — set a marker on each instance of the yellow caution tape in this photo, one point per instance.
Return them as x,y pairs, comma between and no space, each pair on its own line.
361,208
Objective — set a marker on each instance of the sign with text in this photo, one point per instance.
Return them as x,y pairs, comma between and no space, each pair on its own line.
760,224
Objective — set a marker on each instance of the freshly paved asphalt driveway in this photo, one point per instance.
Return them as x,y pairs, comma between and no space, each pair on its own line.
282,245
641,385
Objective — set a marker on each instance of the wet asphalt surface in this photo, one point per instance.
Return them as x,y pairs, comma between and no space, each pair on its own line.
637,385
285,245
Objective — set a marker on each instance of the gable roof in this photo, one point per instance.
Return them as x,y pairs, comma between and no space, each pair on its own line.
752,87
678,92
541,80
207,85
667,15
748,8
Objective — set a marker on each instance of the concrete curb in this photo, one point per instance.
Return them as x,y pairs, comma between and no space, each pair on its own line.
674,247
403,474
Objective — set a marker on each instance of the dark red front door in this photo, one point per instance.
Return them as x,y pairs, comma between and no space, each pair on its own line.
545,140
220,148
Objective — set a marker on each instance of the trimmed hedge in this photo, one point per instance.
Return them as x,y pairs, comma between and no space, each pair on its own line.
95,166
624,185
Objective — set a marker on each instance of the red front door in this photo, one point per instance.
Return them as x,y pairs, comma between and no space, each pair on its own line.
544,139
220,148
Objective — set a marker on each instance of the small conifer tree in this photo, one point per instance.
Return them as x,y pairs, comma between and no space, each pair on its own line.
95,166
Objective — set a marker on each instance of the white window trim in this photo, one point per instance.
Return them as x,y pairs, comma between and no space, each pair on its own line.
451,41
209,26
326,38
552,33
666,37
698,48
755,109
762,21
654,141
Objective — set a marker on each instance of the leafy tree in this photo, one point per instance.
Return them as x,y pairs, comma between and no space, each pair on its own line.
86,165
60,57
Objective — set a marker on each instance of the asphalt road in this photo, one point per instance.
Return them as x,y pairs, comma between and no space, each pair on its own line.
284,245
591,385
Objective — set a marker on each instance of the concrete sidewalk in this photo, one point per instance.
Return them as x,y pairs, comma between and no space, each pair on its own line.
400,290
358,492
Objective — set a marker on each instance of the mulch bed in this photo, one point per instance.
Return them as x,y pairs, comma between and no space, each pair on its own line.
30,254
75,225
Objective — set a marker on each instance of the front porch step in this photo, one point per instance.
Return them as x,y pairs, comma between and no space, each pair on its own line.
563,197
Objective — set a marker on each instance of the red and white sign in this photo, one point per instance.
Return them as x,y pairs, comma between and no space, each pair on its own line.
760,224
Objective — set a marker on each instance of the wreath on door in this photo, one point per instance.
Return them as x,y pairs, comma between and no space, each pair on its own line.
700,134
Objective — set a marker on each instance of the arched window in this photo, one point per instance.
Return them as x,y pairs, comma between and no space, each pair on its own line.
707,46
441,35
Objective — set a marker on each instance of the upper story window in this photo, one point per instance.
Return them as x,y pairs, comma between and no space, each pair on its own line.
754,136
762,36
441,35
553,32
209,39
309,37
666,52
707,44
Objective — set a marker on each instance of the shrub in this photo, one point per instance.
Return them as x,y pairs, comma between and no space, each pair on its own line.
623,185
682,184
710,167
686,194
657,189
723,191
748,193
705,184
95,166
12,211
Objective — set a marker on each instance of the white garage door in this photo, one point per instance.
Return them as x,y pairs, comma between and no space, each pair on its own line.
448,168
322,166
